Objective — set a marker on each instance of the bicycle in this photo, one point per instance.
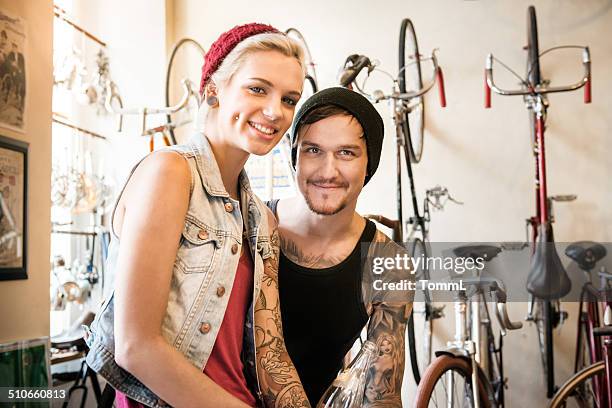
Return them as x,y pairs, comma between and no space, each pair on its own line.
415,229
472,364
588,346
591,386
547,281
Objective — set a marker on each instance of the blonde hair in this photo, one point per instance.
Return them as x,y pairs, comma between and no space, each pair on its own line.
231,63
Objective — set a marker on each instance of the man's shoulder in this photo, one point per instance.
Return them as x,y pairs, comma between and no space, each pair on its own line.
382,240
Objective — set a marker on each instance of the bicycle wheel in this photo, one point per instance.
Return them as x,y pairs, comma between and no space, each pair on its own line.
410,79
171,81
421,318
448,382
543,317
578,391
310,83
533,49
494,361
583,349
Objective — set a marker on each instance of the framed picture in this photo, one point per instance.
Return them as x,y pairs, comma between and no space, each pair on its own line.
12,71
13,208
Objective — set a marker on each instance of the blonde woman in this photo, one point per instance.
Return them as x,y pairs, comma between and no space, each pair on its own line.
194,319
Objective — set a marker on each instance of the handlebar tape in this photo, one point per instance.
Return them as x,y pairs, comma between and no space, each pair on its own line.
440,78
587,90
487,92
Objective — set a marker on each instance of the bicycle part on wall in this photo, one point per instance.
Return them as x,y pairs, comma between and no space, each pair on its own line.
311,73
78,182
71,73
79,189
66,287
409,77
174,124
189,93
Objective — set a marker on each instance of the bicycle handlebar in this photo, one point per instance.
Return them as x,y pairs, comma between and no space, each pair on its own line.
539,89
437,77
441,90
504,320
112,94
498,295
359,62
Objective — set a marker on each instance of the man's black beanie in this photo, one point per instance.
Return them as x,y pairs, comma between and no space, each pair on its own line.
362,109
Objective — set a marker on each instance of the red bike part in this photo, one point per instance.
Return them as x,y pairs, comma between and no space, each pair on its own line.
542,171
587,90
440,79
487,93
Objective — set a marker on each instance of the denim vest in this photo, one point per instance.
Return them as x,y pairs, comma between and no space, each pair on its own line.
202,276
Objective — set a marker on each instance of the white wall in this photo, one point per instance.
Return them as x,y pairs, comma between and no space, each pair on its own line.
482,156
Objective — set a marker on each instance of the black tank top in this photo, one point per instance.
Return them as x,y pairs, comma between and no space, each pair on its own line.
323,313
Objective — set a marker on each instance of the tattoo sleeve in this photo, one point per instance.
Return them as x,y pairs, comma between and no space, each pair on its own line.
386,328
279,380
384,378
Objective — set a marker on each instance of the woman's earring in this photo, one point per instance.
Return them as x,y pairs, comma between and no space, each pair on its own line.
212,100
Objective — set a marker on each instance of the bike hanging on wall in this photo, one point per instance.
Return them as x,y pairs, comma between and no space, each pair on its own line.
547,281
407,99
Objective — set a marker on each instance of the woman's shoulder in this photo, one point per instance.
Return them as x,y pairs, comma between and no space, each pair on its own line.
167,164
160,171
267,216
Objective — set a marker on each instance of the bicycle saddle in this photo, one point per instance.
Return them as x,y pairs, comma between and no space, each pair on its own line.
586,253
547,278
486,252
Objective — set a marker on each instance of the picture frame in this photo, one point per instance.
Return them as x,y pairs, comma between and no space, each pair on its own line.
13,75
13,208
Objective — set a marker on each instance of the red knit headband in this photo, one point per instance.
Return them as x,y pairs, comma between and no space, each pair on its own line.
225,44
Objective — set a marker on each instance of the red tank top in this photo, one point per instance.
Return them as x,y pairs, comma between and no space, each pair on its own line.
224,365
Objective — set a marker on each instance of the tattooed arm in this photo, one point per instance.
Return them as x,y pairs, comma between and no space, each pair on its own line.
279,380
389,313
384,380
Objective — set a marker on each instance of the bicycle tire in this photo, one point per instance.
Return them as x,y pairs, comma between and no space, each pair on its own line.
544,326
438,369
571,388
313,84
583,350
495,362
533,49
311,73
413,123
420,350
178,45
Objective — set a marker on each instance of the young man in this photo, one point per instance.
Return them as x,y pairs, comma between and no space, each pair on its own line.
326,288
